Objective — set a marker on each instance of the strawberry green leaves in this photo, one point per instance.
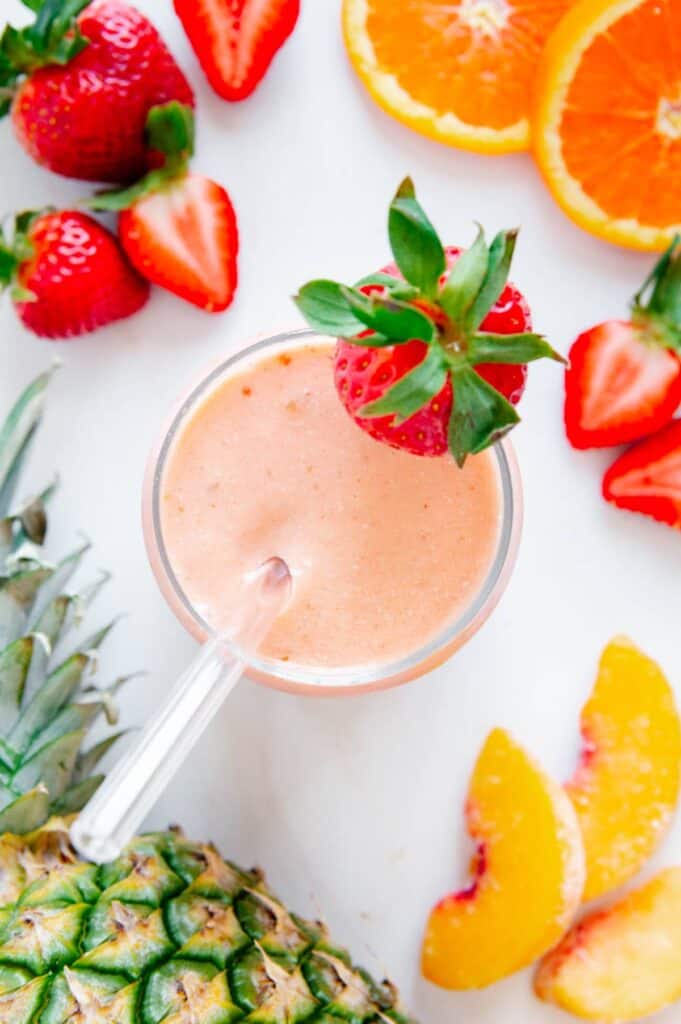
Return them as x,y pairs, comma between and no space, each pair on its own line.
498,265
446,313
52,38
465,280
657,304
480,415
412,391
396,320
327,310
486,347
332,308
414,241
170,131
15,249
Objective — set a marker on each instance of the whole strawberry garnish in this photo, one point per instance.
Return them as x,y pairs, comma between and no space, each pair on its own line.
80,87
361,375
178,229
236,40
67,274
434,359
624,376
647,478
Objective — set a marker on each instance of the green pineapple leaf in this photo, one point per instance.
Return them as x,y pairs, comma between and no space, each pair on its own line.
43,717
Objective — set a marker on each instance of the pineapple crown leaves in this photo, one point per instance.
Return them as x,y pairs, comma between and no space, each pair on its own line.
52,38
656,307
444,312
46,709
170,130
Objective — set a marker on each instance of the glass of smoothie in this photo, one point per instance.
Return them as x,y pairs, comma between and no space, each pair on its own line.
368,453
396,560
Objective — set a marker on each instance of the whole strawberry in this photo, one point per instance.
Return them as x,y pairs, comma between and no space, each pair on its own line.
432,351
67,274
79,88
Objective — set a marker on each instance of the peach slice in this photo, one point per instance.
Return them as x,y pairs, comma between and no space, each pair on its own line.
627,786
623,963
528,874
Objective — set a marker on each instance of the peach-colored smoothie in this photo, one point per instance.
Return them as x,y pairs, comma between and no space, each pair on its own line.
386,548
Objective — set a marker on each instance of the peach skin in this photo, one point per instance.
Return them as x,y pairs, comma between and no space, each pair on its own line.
623,963
528,874
627,785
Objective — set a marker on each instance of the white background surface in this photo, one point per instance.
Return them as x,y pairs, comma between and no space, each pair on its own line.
353,805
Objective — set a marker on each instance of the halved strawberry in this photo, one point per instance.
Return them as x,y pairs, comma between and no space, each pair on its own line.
624,377
647,478
178,229
432,350
184,238
236,40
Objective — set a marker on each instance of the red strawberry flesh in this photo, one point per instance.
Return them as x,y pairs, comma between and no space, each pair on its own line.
184,238
647,478
618,386
236,40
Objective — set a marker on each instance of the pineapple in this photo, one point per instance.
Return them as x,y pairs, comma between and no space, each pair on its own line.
170,932
47,703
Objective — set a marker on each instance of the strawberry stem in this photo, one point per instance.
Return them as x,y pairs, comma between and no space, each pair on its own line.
170,131
656,307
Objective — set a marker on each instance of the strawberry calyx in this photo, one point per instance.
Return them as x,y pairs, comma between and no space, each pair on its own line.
52,38
442,310
15,249
656,307
170,132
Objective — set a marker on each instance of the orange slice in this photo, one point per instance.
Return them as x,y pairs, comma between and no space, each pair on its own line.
607,119
459,71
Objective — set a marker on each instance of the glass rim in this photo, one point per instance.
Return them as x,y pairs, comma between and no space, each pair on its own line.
290,675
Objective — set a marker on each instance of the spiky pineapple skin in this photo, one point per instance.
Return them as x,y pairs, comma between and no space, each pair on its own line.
170,932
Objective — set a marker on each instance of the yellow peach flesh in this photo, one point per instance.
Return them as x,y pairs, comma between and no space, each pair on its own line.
627,786
620,964
529,874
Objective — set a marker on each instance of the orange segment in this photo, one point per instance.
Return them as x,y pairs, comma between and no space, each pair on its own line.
459,71
622,963
627,787
607,119
528,874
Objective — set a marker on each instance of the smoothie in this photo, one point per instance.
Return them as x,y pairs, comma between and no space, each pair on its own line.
386,548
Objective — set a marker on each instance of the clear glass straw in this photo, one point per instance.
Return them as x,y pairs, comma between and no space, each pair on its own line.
114,814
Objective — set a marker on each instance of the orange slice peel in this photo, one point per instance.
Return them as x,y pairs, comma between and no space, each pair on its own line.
606,120
458,71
